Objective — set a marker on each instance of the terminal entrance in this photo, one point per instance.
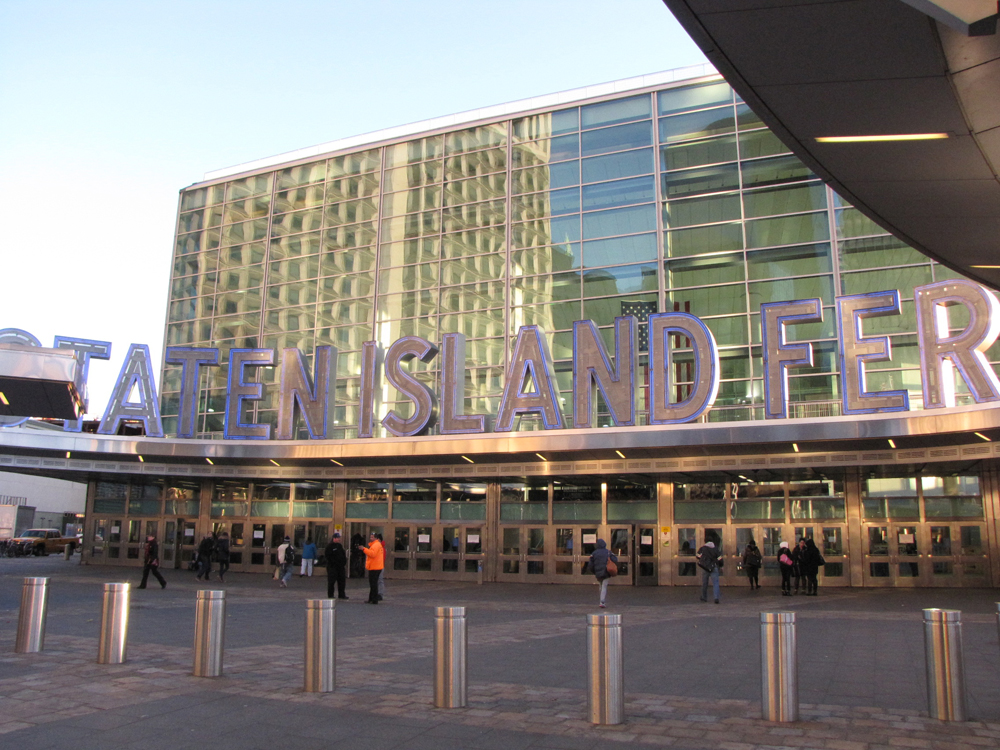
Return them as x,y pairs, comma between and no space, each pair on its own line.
925,554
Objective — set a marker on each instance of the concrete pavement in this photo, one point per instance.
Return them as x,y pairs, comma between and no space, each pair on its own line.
691,669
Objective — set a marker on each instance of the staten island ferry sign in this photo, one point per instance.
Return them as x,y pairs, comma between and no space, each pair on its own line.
530,387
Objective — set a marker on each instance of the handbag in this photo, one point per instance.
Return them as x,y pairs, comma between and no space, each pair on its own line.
612,568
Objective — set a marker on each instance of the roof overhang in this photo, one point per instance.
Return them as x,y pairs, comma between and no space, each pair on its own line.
39,382
817,68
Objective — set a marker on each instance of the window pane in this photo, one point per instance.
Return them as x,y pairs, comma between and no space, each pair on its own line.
791,261
707,210
693,97
715,238
620,193
614,166
619,221
613,112
788,230
702,180
619,249
784,200
696,153
713,269
697,124
618,138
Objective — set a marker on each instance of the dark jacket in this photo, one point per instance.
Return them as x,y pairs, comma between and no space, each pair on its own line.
336,557
206,548
708,557
222,549
811,559
752,557
152,556
599,560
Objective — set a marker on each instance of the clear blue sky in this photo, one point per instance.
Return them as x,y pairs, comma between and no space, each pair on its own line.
107,109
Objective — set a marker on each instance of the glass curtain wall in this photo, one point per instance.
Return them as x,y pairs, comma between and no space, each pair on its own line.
670,200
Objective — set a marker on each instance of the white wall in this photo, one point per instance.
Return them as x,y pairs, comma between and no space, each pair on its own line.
46,495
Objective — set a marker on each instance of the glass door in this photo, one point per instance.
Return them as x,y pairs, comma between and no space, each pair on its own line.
957,556
689,539
522,553
767,538
569,561
893,555
461,552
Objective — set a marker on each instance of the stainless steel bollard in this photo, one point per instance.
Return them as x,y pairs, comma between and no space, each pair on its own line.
209,633
31,621
998,619
114,623
449,657
779,667
945,670
606,670
321,646
67,551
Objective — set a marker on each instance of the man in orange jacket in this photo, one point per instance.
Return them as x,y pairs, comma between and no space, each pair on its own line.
374,562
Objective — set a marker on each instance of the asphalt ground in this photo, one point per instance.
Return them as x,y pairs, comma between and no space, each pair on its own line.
692,670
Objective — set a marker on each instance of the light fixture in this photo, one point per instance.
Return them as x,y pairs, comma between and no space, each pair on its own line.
3,399
210,462
468,459
68,454
881,138
141,460
336,462
795,447
275,462
541,456
620,454
979,434
892,443
986,266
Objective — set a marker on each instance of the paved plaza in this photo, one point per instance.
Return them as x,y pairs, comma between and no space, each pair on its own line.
692,670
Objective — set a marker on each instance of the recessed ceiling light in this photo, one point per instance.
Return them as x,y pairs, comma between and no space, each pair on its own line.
795,447
468,459
141,460
336,462
620,454
275,462
3,399
68,453
986,266
541,456
977,434
881,138
210,461
892,443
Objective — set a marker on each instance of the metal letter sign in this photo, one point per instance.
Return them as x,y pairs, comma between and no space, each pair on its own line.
137,375
239,391
403,350
780,355
940,351
371,363
22,338
86,349
857,350
190,359
530,365
702,379
453,421
592,371
314,399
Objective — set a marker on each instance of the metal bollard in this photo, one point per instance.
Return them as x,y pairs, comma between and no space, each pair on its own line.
998,619
31,622
114,624
779,667
209,633
67,552
321,646
449,657
945,671
606,670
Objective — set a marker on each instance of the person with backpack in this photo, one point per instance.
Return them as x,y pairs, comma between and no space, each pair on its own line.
752,561
798,570
709,560
604,566
787,565
151,563
286,559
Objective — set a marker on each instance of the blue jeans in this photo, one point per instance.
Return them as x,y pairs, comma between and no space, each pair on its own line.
705,575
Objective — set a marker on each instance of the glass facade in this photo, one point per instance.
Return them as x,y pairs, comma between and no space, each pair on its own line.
670,200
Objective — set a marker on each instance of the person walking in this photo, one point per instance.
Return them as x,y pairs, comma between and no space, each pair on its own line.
599,560
286,559
374,563
798,553
151,563
336,567
752,560
787,565
709,558
308,558
812,559
222,554
205,551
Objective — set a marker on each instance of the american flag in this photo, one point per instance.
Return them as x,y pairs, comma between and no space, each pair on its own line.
641,311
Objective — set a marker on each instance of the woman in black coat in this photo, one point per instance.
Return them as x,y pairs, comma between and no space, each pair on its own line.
810,562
